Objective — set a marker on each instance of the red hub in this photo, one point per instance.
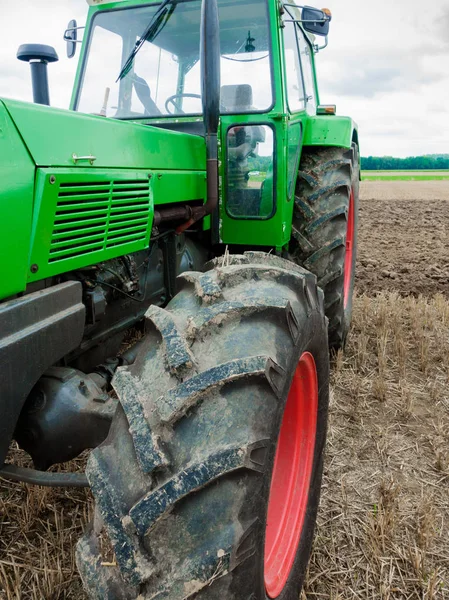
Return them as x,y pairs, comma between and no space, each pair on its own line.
349,252
292,472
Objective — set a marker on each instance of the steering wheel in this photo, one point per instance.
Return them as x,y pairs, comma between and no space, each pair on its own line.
172,100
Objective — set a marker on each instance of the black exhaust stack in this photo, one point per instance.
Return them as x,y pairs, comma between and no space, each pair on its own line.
210,90
210,57
38,55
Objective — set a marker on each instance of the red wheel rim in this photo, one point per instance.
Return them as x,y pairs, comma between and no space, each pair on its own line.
349,252
292,472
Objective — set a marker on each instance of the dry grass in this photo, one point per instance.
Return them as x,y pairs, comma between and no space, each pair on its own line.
38,531
383,525
382,530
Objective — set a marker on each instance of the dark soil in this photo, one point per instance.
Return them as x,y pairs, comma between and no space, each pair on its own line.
404,243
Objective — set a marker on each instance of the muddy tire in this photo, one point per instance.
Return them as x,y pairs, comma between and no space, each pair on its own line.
182,483
324,236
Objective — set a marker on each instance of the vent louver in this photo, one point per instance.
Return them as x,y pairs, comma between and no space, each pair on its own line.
98,216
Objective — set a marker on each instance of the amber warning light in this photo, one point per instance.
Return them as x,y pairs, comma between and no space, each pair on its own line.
326,109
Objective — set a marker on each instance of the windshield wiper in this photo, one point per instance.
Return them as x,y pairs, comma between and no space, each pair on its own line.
156,24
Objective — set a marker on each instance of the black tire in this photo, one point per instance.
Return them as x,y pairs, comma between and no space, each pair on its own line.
326,178
182,482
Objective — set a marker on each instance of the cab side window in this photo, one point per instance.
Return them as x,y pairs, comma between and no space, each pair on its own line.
307,70
295,84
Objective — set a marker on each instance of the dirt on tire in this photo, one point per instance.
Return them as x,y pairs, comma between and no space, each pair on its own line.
404,241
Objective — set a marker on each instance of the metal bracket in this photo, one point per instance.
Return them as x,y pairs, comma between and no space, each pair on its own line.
316,47
67,34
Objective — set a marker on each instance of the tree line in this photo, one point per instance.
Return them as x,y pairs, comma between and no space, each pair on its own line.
377,163
390,163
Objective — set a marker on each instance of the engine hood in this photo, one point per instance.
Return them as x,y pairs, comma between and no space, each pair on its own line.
54,137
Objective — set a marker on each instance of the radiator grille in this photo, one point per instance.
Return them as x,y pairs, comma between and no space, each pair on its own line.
98,216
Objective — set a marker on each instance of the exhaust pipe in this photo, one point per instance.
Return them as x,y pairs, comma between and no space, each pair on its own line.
210,91
38,55
210,57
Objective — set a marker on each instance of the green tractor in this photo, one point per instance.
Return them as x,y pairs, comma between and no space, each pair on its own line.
178,258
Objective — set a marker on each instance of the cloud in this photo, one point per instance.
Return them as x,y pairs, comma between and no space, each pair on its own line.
375,71
43,22
443,26
386,66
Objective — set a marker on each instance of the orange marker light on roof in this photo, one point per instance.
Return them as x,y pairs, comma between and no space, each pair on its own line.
327,12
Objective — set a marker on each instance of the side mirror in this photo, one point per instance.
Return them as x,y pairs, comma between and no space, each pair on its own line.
316,21
71,37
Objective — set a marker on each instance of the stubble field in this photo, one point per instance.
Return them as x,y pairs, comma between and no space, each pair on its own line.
383,530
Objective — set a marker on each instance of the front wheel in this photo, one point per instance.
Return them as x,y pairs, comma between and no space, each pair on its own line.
208,484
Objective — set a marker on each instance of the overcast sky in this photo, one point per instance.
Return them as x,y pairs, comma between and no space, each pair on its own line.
387,66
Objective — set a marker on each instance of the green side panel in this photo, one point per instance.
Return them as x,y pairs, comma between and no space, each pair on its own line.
85,216
178,186
324,130
53,136
294,149
16,207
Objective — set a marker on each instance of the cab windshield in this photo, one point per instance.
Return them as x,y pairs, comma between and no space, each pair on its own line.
164,79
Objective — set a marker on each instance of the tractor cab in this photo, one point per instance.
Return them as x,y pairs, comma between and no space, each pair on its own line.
163,79
142,62
161,82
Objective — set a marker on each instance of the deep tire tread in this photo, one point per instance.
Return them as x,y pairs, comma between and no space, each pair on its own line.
144,497
103,583
324,219
147,445
132,563
323,189
181,399
157,503
177,349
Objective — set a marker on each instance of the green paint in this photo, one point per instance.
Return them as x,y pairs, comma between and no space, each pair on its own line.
53,135
62,213
16,206
330,130
86,216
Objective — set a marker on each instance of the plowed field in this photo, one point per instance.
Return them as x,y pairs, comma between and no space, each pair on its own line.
404,241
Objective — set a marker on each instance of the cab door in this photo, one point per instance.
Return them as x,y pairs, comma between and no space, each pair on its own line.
253,208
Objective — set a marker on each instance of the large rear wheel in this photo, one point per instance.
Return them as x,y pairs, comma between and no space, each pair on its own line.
324,236
208,484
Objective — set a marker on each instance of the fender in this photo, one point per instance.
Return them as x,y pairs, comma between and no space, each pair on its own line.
331,130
